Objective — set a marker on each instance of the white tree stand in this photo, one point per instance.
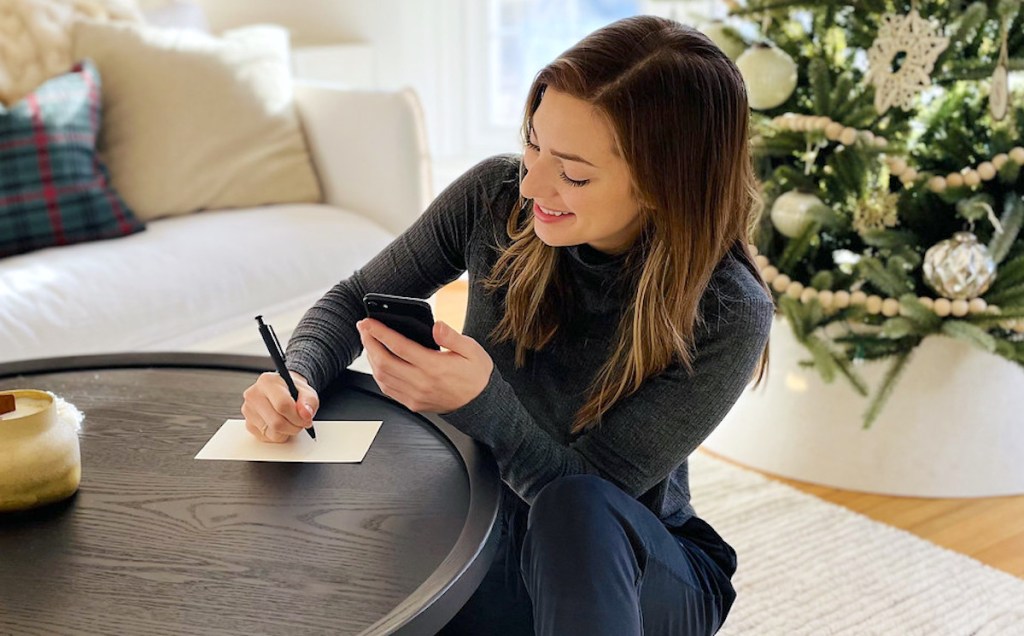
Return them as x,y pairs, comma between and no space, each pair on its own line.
953,426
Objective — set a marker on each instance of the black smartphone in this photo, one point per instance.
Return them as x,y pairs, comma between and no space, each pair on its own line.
410,317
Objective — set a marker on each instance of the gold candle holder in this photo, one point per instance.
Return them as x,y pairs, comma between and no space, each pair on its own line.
40,460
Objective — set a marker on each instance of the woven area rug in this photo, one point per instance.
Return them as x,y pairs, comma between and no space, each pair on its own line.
807,566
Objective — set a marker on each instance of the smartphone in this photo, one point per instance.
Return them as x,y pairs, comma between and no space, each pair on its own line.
410,317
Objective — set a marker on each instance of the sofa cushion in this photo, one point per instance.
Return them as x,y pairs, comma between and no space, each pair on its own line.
183,280
53,187
195,122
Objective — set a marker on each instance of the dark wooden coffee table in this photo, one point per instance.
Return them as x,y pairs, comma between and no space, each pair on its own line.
156,542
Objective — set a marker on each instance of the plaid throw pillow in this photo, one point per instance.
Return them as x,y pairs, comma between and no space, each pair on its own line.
53,188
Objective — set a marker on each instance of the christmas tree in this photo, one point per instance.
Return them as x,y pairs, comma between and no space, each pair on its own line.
887,136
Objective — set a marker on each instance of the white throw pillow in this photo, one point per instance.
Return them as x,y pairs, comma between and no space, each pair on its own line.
193,122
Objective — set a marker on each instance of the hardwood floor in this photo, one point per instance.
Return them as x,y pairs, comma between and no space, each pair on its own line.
990,530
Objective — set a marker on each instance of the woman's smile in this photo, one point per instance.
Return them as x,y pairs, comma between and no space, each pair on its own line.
550,216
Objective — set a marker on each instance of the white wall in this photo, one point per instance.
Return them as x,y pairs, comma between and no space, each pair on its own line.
309,20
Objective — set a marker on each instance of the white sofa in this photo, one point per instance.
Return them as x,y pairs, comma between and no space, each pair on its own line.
196,282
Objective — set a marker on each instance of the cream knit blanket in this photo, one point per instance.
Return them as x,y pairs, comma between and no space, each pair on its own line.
35,38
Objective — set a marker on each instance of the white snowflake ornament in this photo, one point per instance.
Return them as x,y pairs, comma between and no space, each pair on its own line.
921,43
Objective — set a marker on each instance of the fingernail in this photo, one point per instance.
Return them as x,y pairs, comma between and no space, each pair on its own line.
310,410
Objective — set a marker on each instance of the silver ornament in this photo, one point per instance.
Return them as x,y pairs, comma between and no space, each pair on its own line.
960,267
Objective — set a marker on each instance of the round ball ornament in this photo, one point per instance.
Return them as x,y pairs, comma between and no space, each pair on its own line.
960,267
770,74
726,38
790,212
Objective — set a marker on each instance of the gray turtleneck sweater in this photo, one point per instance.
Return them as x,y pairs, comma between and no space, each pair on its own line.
524,415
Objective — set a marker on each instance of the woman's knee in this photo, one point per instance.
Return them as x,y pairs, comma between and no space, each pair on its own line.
574,500
578,526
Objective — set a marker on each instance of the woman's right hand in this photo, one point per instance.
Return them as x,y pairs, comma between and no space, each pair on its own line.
271,415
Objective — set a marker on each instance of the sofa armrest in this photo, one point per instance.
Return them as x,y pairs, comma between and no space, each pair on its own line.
370,150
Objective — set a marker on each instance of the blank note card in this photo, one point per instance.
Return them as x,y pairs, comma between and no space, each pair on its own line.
336,442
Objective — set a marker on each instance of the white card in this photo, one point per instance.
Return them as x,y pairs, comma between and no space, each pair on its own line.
336,441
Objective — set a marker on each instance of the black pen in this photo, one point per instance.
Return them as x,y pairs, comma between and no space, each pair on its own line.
277,354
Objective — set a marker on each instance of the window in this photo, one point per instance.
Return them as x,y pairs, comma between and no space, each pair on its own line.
525,35
514,39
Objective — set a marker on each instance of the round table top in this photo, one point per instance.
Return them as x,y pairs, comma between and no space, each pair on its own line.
158,542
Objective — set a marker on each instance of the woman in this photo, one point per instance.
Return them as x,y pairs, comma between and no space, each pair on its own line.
615,315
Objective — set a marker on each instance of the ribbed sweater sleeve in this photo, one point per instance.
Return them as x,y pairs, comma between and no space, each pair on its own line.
428,255
642,438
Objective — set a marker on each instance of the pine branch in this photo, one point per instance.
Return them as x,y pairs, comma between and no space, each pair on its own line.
965,29
899,327
970,333
780,144
890,239
798,247
824,358
849,170
883,349
823,280
912,309
1009,274
1012,351
1013,216
794,315
841,97
1008,296
787,177
887,386
1012,297
974,70
821,86
815,313
1010,171
863,116
845,366
988,320
883,279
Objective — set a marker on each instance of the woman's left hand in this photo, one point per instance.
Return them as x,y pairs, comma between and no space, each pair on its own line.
422,379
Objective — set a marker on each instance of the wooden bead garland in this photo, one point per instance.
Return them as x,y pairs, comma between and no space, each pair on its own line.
984,171
834,131
846,135
888,307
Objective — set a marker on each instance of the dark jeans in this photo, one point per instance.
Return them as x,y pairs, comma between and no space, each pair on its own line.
590,559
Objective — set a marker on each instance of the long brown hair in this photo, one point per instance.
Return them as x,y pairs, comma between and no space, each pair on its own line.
678,110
